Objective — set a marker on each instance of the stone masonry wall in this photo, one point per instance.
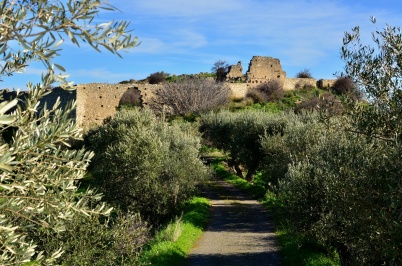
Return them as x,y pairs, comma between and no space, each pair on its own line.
96,101
263,68
239,90
325,83
235,72
296,83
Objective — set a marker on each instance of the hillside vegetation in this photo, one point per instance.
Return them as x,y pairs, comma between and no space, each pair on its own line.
327,162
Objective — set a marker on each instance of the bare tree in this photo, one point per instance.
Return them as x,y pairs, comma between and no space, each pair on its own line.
220,68
190,96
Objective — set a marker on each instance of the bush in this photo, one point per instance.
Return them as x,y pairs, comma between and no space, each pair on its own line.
345,86
304,74
95,241
220,68
132,97
239,134
269,91
190,95
145,165
39,172
337,192
157,77
324,103
337,189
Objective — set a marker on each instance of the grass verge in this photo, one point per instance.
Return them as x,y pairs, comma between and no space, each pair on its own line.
295,249
171,245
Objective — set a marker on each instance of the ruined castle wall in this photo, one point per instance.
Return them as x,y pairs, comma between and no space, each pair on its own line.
297,83
262,69
96,101
325,83
235,72
239,90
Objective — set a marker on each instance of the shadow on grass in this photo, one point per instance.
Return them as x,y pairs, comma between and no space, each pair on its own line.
169,252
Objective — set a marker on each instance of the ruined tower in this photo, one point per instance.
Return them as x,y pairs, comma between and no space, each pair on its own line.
263,68
235,73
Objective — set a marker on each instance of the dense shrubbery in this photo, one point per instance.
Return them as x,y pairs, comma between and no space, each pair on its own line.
345,86
338,188
339,194
191,95
324,103
40,173
157,77
239,134
98,240
304,74
265,92
145,165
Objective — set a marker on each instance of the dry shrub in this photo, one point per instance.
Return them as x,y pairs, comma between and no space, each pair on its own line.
190,95
344,85
132,97
326,102
269,91
304,74
157,77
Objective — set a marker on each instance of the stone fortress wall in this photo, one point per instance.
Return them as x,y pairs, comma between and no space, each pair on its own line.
96,101
262,69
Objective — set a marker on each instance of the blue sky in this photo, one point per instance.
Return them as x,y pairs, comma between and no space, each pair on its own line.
188,36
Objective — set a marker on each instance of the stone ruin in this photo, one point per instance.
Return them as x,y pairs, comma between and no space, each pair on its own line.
96,101
261,69
235,73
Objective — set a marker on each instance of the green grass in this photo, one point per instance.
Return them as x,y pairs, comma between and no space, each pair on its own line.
289,101
171,245
294,249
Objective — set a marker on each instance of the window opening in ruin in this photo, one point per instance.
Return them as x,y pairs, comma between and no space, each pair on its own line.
100,97
102,105
279,76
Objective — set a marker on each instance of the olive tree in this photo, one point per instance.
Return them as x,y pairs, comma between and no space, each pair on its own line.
377,72
38,172
344,189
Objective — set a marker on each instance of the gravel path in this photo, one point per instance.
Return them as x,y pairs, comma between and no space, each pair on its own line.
240,232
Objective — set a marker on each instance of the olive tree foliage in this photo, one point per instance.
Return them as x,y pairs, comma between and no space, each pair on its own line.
40,26
190,95
143,164
340,190
239,135
342,184
38,172
377,72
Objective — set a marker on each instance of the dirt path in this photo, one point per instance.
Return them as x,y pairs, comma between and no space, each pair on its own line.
240,232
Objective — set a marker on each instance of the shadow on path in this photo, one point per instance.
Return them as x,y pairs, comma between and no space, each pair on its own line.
239,232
